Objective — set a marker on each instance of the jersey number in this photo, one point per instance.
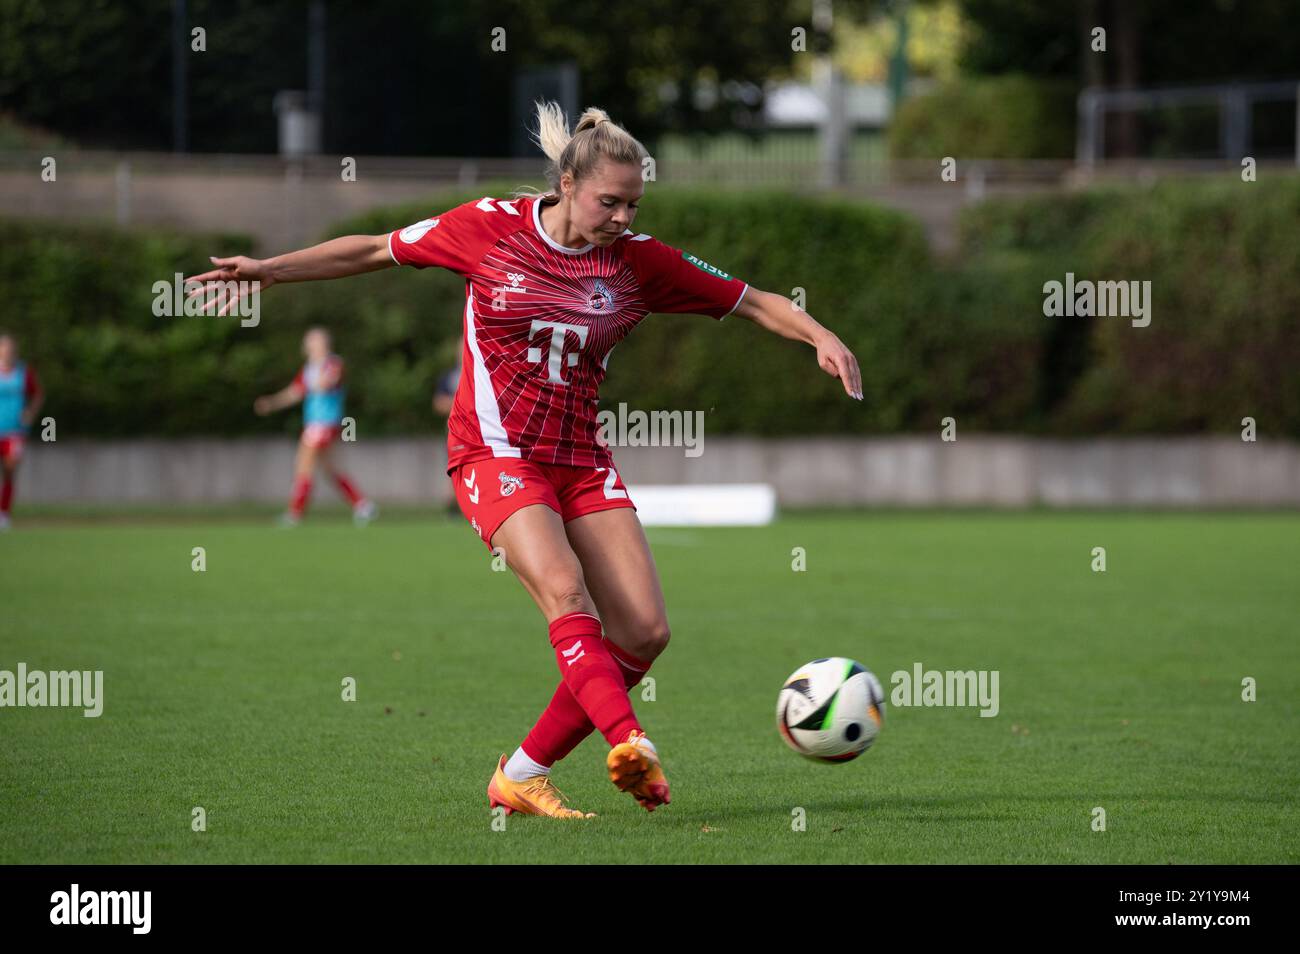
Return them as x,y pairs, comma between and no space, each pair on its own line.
610,492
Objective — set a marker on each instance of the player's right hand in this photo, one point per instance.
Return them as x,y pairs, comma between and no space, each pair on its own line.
262,406
240,269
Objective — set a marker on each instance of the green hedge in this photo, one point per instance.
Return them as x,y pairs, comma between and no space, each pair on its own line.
1000,117
1223,258
79,299
967,339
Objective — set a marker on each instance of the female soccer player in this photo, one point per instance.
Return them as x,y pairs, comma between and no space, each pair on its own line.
319,386
552,283
20,401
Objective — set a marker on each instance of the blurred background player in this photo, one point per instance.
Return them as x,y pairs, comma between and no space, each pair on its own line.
444,394
319,386
20,401
444,398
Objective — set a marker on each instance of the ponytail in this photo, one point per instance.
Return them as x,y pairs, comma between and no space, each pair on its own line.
594,139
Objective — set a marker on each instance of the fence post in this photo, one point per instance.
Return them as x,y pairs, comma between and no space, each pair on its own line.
1087,147
122,193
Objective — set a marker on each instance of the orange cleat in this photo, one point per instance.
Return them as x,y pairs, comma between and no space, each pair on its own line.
634,767
535,796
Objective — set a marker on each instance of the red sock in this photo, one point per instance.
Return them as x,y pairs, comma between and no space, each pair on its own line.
632,668
298,499
348,489
592,675
564,725
6,495
559,730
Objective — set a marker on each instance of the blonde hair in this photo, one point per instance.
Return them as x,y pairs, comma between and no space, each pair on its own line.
596,137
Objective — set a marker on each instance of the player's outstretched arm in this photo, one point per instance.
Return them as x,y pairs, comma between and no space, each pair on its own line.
781,316
337,258
270,403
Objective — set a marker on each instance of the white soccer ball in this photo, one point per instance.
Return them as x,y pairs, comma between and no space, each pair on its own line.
830,709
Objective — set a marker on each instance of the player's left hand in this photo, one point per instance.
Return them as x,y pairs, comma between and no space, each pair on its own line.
212,286
838,361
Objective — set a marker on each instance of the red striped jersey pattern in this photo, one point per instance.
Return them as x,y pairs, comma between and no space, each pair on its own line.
540,321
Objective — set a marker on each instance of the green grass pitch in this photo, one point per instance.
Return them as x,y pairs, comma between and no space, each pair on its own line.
1120,690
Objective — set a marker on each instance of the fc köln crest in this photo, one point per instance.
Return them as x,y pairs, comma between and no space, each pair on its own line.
601,298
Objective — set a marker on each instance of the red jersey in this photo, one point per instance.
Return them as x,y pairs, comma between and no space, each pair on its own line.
540,321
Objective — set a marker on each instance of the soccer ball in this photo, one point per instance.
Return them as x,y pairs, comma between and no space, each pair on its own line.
831,709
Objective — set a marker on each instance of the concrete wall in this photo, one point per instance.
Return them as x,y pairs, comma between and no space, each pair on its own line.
289,211
893,471
280,208
286,204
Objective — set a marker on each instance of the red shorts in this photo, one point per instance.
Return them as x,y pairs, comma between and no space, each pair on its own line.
490,490
11,448
320,435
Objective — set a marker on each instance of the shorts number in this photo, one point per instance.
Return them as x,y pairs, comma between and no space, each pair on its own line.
610,492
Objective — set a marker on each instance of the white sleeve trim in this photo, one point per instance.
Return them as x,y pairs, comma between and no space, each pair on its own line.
738,300
394,257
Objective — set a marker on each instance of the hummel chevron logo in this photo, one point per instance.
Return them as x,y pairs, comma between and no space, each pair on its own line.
566,653
485,204
470,483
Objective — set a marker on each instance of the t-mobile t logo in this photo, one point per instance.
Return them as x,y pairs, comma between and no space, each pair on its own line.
558,331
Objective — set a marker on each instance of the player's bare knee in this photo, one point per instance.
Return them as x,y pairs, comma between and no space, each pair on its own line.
649,638
570,597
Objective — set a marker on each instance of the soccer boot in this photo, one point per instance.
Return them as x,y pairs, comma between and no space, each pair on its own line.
535,796
364,512
634,767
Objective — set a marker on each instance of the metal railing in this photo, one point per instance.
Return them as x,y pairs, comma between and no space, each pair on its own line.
1233,101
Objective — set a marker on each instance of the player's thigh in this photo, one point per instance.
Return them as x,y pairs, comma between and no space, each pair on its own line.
325,458
538,551
305,462
622,579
